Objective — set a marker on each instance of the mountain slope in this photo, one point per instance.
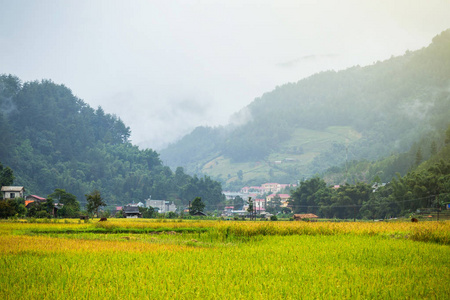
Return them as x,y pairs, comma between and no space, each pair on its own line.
52,139
378,109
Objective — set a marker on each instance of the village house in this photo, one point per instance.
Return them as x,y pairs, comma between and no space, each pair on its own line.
275,187
270,187
163,206
232,195
131,211
116,210
284,198
12,192
252,189
228,210
31,200
260,205
245,190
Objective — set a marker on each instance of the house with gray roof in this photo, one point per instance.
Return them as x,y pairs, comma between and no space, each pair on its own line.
12,192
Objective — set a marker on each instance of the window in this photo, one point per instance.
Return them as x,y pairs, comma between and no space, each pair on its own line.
12,195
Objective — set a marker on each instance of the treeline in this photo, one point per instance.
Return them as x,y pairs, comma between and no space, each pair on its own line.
427,188
52,139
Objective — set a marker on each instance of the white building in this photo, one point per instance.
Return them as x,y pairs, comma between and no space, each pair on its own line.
163,206
12,192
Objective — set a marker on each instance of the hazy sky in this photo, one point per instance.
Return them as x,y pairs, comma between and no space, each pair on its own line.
165,67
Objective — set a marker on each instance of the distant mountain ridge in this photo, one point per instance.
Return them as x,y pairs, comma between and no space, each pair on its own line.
324,120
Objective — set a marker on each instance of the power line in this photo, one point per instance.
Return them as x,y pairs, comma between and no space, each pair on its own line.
352,205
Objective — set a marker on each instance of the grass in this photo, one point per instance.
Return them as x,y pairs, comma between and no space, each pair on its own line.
225,260
312,142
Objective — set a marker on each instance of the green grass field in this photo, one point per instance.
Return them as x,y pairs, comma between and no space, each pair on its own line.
312,142
131,259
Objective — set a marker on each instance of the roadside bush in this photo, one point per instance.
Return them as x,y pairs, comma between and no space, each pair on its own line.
42,214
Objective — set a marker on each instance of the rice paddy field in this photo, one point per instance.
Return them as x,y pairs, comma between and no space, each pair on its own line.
159,259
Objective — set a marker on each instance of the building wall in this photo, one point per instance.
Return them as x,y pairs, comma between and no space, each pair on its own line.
162,205
12,194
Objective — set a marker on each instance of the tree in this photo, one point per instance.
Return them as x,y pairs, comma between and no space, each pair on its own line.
307,195
147,212
433,148
274,205
447,136
238,203
49,206
196,206
171,215
94,201
7,208
250,205
240,175
286,210
6,176
71,206
419,156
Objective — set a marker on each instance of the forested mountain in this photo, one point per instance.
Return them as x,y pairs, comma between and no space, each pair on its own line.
303,128
52,139
424,189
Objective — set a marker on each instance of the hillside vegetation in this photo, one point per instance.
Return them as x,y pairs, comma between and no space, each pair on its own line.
303,128
52,139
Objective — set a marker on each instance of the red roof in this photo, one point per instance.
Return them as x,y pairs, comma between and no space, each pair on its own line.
38,198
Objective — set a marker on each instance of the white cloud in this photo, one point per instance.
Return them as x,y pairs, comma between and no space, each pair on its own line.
165,67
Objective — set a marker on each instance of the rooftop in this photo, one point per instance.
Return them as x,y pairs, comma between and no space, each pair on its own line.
12,188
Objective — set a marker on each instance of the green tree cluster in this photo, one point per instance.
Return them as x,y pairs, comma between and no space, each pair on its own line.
426,188
71,206
56,140
94,202
197,206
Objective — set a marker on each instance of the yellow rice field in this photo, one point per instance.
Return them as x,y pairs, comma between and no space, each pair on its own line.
148,259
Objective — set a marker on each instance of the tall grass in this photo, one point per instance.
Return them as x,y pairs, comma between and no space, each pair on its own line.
224,260
275,267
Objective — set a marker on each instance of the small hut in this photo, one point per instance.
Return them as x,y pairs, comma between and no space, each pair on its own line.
300,217
131,211
199,214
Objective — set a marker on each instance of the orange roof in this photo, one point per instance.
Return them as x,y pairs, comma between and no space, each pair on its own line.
28,202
